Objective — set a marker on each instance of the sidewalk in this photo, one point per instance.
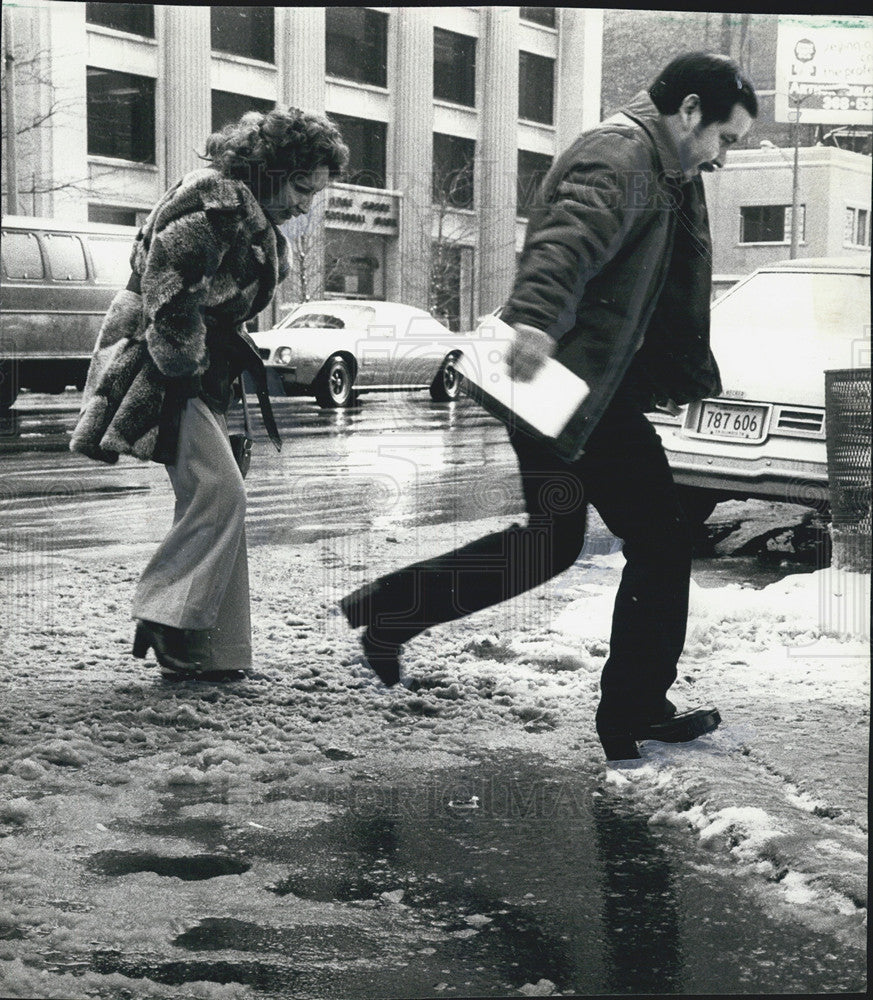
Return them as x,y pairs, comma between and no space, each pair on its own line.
94,738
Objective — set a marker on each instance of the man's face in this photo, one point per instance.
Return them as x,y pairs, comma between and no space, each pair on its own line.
294,196
705,148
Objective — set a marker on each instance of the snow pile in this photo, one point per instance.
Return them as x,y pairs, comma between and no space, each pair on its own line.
794,611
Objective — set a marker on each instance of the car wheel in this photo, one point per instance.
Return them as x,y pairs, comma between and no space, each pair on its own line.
697,503
334,386
447,384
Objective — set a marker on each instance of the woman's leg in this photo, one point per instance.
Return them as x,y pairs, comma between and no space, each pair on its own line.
198,577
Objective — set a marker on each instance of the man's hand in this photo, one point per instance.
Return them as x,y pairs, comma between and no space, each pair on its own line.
528,352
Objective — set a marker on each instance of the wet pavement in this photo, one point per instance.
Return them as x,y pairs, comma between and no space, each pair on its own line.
316,872
481,881
396,461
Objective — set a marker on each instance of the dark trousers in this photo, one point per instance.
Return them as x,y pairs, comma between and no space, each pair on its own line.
625,475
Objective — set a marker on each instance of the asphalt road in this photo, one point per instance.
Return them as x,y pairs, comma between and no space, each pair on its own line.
394,461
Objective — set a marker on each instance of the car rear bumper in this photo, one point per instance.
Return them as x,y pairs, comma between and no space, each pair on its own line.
789,471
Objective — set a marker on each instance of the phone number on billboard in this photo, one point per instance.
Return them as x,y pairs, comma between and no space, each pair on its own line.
847,103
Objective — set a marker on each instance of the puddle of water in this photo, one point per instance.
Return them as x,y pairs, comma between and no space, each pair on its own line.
189,868
544,875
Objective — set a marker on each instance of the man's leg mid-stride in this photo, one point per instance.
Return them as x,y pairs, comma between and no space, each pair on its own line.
485,572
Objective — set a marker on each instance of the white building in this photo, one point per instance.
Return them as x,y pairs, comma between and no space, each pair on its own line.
451,114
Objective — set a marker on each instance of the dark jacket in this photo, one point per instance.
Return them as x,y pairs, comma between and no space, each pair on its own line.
207,259
598,273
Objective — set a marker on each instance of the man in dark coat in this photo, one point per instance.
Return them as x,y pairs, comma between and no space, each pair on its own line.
614,281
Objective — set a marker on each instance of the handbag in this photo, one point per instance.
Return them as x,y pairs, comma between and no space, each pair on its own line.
241,444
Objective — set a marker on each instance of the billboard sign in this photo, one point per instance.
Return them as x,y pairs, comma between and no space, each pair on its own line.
824,70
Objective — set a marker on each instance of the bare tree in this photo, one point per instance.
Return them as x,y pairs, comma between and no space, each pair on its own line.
32,106
451,231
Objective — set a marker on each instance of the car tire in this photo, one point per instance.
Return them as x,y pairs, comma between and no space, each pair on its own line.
446,386
697,503
333,389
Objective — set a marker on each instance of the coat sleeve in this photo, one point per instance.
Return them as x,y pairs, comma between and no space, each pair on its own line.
192,234
599,191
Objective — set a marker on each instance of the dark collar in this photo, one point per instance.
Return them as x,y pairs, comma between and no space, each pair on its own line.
644,113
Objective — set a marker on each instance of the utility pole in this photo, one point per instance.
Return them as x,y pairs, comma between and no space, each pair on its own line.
11,127
795,186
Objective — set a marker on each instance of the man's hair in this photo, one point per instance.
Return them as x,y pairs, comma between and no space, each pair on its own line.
263,148
717,80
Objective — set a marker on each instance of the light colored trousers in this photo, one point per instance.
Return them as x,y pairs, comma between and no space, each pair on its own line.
199,576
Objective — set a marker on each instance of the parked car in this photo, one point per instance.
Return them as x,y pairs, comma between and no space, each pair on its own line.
58,280
774,335
335,349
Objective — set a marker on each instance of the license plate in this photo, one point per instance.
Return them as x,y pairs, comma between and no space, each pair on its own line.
732,420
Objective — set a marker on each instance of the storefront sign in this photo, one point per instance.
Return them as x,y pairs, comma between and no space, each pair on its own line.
362,209
824,70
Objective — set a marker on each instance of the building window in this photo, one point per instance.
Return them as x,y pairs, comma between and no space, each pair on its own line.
134,18
857,231
357,44
121,115
453,159
532,168
354,265
228,107
539,15
245,31
367,142
112,215
536,88
769,223
454,67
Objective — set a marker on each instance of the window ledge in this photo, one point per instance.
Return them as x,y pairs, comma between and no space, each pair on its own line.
773,243
537,26
114,161
232,57
127,36
545,126
441,102
373,88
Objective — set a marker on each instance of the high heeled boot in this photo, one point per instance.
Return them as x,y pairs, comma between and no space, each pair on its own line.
181,650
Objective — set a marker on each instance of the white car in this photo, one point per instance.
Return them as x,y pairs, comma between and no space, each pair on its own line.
774,335
335,349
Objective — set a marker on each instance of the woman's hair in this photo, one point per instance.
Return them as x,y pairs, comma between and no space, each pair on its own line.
262,148
717,80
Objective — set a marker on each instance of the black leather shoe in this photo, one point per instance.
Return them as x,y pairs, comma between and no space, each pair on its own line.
382,658
620,743
181,650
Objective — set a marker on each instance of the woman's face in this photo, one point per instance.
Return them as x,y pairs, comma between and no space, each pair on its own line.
294,196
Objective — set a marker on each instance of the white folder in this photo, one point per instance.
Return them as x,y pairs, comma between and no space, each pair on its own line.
547,403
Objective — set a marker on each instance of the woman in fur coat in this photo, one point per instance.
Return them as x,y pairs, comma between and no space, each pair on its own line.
208,258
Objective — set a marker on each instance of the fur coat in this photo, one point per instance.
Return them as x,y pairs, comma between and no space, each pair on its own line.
206,256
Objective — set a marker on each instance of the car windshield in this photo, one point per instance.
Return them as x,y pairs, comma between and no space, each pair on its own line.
337,318
796,306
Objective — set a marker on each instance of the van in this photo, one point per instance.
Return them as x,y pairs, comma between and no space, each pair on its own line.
58,279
